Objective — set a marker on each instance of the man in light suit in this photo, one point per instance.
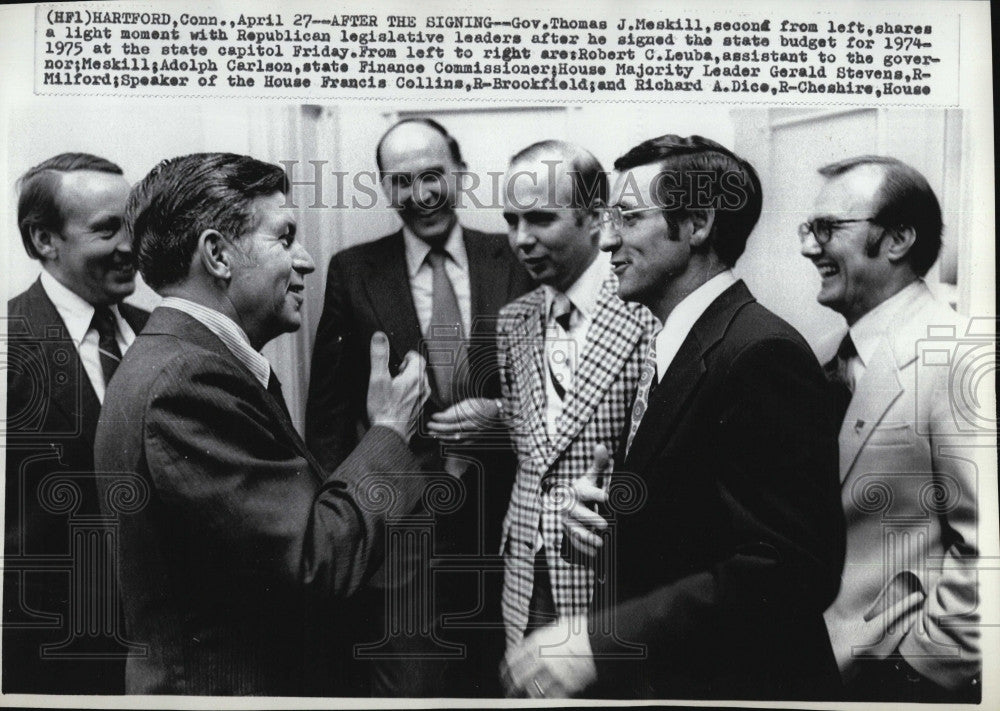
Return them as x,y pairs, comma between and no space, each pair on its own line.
724,533
569,353
236,546
62,630
436,286
904,625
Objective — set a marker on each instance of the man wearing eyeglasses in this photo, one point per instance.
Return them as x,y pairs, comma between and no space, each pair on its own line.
904,625
570,353
725,538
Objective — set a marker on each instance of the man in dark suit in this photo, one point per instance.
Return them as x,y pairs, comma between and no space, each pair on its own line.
437,286
236,546
62,630
725,536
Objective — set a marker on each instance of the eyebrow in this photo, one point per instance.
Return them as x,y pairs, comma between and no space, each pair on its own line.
106,222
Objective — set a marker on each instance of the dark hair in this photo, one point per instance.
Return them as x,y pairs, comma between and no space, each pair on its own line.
37,204
704,174
453,148
590,181
904,199
182,197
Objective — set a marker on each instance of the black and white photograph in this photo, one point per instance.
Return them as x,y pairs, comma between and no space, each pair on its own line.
498,355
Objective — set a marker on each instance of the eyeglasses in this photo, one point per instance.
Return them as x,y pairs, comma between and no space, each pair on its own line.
616,216
822,228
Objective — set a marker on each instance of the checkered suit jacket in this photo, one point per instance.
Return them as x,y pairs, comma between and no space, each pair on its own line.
596,410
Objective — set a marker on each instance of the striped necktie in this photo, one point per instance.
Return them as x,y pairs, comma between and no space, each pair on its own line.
107,345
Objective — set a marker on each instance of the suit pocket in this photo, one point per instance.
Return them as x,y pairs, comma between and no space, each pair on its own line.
898,434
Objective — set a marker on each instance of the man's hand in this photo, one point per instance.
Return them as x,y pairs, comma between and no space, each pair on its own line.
466,419
582,525
553,662
396,402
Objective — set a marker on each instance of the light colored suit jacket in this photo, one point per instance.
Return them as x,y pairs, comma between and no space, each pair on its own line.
908,467
596,409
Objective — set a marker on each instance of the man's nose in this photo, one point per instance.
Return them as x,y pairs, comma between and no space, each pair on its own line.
124,243
302,260
425,192
609,239
809,246
524,235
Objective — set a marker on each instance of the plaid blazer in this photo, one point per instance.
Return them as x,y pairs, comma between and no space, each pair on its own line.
596,410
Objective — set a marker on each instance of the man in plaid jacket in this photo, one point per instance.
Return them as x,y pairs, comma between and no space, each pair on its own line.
570,353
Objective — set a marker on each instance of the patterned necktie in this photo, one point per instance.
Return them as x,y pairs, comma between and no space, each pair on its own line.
647,381
839,375
557,350
107,345
445,338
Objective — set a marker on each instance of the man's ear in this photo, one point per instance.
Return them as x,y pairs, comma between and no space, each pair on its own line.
899,242
215,254
45,241
702,221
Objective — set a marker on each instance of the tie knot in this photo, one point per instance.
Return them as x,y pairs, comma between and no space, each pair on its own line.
437,256
846,350
104,322
562,310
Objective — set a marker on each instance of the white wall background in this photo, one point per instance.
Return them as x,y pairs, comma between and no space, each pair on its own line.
785,145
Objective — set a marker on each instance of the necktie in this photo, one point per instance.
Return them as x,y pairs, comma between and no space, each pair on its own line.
107,345
445,340
647,381
838,373
558,350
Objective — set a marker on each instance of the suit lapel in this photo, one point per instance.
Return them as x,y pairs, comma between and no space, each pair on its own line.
489,276
527,357
611,339
70,389
878,388
388,285
670,400
168,321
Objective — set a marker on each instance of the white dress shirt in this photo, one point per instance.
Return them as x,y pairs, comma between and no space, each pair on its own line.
681,320
583,294
228,331
867,331
456,266
77,314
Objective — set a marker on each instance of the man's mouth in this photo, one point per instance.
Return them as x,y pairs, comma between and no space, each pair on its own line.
618,266
826,269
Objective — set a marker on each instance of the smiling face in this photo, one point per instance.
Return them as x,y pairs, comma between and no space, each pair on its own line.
853,283
267,286
647,254
555,242
418,178
90,254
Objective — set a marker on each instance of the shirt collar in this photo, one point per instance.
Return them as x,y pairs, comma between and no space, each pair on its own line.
228,331
417,249
682,319
867,331
586,290
74,310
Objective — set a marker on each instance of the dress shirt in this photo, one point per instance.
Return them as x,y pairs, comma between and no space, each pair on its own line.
234,337
682,319
583,294
867,331
456,266
77,314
